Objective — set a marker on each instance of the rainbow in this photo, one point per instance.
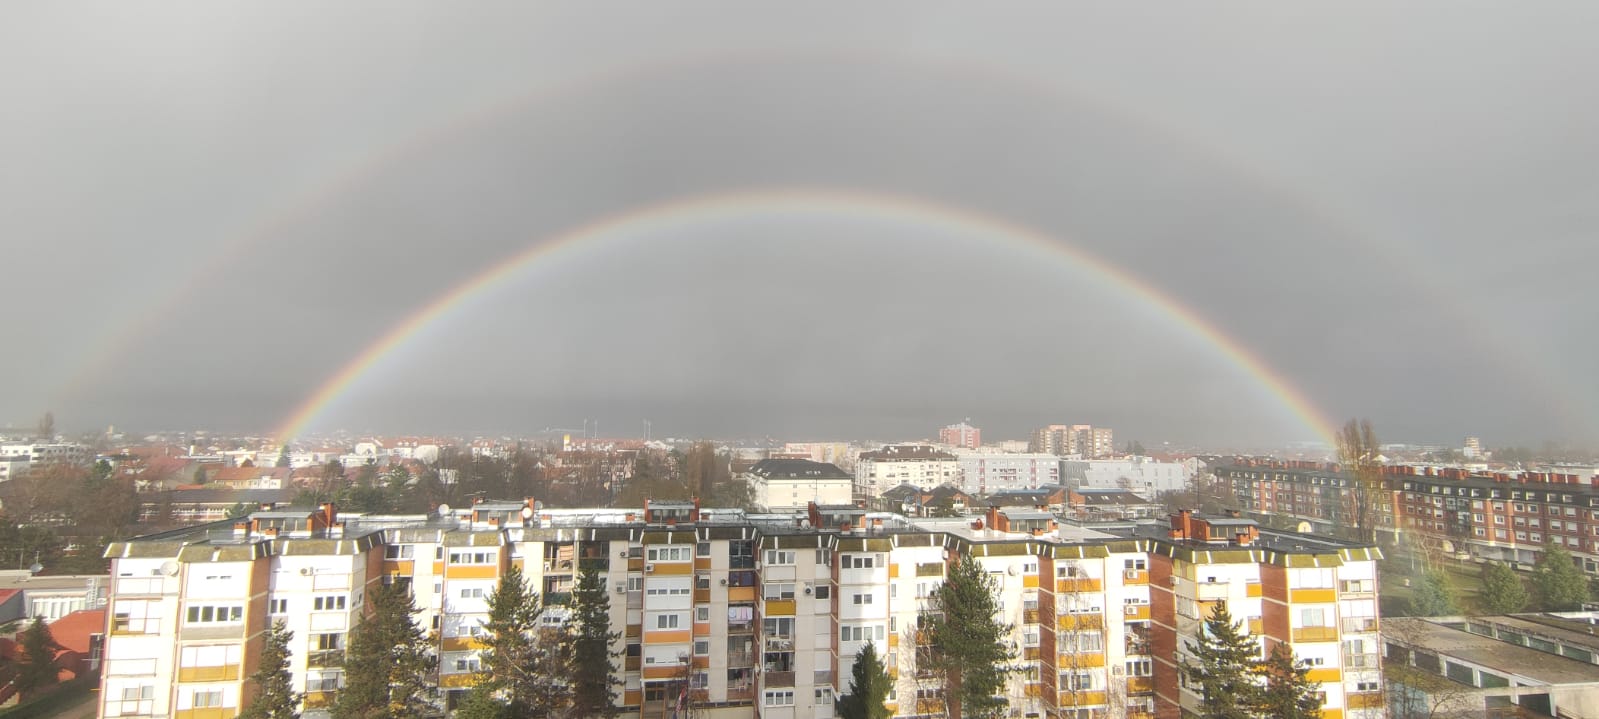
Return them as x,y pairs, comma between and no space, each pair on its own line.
698,210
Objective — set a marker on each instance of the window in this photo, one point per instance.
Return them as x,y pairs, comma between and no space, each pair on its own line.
780,698
399,551
778,626
207,699
779,556
1137,565
824,696
778,591
1313,617
472,558
824,591
221,655
278,606
824,557
666,621
703,549
859,561
635,584
1140,668
851,633
682,591
215,614
325,642
332,602
669,554
861,599
468,664
472,593
1030,567
702,648
702,614
1366,686
135,694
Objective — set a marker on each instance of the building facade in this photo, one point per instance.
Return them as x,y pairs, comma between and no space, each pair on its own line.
985,472
1074,440
961,435
789,484
745,615
883,469
1139,474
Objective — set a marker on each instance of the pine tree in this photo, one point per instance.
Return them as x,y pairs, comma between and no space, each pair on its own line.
275,696
38,669
594,684
1502,590
1220,670
1435,596
387,661
868,688
1288,692
1560,586
968,643
522,665
480,703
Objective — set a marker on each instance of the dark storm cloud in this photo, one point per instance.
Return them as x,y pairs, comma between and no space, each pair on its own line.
1401,231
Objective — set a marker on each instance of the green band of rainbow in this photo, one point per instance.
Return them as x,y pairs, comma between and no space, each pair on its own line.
825,201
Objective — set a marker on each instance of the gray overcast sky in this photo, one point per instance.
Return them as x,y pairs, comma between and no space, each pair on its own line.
209,208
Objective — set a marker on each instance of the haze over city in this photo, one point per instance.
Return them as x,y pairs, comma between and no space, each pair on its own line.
1213,224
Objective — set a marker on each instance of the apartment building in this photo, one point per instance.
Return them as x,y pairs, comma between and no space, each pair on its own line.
985,472
789,484
745,615
883,469
1074,440
1499,516
961,435
1139,474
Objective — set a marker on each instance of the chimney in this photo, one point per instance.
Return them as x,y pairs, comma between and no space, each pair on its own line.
241,529
993,517
330,514
336,529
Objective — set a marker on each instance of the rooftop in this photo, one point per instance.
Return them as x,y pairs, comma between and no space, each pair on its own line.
1529,666
797,469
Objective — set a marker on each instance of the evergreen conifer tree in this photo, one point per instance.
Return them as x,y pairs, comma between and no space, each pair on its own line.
523,665
1560,585
275,697
868,688
38,669
387,661
1502,591
967,644
1221,667
1288,692
593,682
1435,595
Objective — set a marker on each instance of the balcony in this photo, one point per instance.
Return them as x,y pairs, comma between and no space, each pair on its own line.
325,658
1210,591
822,677
125,626
319,700
1316,634
740,659
557,599
1029,616
1360,624
740,693
1360,661
632,664
598,564
779,679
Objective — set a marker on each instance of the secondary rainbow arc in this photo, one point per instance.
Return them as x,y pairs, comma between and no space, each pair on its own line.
698,209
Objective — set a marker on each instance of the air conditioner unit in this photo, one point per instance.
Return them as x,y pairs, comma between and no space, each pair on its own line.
1132,609
724,581
549,565
807,591
622,554
306,571
621,589
649,569
1132,574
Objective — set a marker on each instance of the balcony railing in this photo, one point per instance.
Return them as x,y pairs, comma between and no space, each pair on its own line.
557,599
779,679
325,658
125,625
741,659
1360,624
1360,661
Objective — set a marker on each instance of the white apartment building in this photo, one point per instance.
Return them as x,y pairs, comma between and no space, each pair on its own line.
883,469
745,615
45,452
1139,474
986,472
790,484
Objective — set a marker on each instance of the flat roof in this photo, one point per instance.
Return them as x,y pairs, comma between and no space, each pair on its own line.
1571,631
1500,657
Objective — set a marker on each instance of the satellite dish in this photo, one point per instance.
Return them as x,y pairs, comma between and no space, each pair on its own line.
527,513
805,524
1011,570
1303,528
444,510
169,568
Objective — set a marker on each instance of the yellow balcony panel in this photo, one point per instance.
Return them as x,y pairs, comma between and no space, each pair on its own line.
223,673
1140,685
779,608
1330,675
702,562
1080,621
402,567
893,640
680,636
741,594
633,630
1135,576
671,569
1257,625
457,681
633,697
893,570
1363,700
1033,690
667,672
631,664
702,596
1081,699
472,571
438,567
1332,714
1316,634
1079,584
1085,660
319,700
1139,612
1313,596
460,644
701,662
635,564
1252,589
206,713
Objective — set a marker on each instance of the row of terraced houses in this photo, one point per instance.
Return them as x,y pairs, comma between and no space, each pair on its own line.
1498,516
743,615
